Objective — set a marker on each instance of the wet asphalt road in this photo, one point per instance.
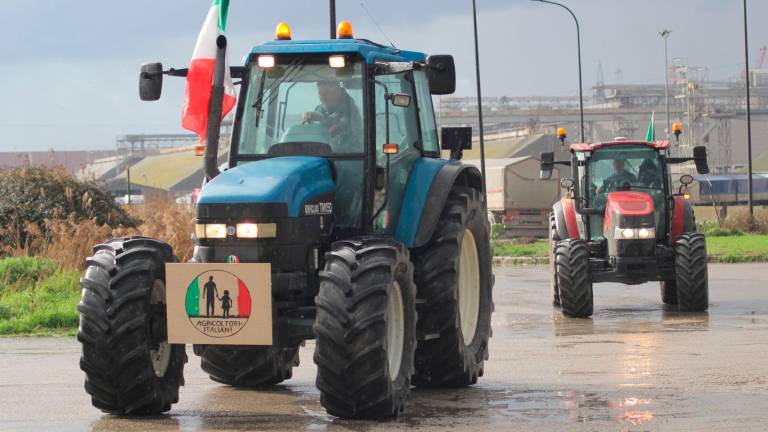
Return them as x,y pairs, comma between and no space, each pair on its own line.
635,366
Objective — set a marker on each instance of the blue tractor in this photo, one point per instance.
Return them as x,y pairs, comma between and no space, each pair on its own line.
379,248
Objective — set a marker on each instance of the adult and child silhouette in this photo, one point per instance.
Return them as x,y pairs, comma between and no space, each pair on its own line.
211,293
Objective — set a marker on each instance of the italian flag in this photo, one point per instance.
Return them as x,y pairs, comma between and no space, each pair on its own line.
194,114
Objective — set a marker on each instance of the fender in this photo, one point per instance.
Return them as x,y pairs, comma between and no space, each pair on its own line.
682,219
426,193
565,219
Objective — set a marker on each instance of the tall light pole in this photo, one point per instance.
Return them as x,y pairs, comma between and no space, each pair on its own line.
578,51
749,117
479,103
665,35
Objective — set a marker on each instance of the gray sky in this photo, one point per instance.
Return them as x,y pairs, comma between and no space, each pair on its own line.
68,77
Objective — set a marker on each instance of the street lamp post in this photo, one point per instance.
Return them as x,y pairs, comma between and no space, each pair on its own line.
578,51
665,35
479,103
749,117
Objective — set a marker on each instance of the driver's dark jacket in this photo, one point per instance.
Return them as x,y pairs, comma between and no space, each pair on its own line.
344,124
617,180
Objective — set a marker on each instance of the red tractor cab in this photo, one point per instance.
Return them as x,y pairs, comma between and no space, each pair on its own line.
623,221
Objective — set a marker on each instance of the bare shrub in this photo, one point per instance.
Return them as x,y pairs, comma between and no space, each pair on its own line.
740,220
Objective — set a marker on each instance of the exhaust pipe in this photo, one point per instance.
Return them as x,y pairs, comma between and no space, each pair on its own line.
211,164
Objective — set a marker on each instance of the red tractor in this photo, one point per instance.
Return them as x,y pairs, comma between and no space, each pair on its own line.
623,221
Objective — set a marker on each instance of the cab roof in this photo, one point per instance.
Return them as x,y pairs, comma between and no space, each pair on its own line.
367,50
588,147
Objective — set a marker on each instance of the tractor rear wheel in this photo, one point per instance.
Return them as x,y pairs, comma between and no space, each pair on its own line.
130,368
669,292
454,280
691,269
365,328
554,237
573,280
248,366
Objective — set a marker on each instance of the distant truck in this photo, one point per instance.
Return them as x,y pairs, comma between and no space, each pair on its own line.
516,196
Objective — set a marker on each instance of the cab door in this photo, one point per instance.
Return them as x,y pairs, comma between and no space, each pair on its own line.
403,131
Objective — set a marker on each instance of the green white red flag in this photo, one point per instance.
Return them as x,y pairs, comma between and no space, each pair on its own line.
194,114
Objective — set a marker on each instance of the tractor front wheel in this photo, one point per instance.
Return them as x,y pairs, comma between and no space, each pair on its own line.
454,280
365,328
248,366
130,368
573,279
691,269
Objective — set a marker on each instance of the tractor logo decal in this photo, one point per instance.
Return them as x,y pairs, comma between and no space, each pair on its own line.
218,303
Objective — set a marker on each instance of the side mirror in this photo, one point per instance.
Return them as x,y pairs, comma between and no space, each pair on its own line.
547,165
441,73
151,81
400,100
456,139
686,179
700,159
566,183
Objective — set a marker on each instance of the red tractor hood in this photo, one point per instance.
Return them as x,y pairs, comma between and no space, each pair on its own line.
629,204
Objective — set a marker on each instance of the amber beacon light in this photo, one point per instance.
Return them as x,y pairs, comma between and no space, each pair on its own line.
283,32
344,31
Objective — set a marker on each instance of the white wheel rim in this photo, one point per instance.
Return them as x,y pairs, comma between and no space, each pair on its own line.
395,330
469,287
162,355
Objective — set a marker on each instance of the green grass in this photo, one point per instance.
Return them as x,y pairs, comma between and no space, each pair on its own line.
743,248
36,297
538,248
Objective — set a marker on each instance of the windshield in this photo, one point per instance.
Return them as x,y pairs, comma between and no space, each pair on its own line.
303,107
629,167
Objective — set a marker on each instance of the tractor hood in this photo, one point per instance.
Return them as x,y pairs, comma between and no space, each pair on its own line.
285,181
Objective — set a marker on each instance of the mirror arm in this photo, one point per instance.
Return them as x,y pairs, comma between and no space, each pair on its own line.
234,71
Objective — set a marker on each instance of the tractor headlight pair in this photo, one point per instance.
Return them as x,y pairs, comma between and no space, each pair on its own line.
634,233
242,230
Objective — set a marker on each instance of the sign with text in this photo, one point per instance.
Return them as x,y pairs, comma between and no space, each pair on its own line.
219,304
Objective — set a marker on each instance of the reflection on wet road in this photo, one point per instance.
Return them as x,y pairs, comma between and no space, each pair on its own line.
634,366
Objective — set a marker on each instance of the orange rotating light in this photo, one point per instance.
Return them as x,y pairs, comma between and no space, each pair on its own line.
344,30
283,32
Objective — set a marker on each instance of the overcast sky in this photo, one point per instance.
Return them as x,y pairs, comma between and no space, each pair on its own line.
68,78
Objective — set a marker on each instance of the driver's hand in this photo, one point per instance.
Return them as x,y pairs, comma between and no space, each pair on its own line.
311,116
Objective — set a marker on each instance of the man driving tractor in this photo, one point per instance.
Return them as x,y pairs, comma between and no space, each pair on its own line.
619,177
338,112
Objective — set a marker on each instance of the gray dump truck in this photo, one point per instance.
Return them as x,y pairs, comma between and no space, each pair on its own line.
517,198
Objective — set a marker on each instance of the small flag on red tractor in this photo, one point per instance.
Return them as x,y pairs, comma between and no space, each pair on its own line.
194,115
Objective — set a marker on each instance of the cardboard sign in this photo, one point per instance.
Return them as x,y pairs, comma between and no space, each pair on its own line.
219,304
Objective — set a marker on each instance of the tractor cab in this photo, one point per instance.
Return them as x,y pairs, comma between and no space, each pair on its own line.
622,219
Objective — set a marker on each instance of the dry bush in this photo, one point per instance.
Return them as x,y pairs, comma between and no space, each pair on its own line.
166,220
739,219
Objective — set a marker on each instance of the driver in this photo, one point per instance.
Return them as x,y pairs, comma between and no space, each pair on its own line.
619,177
338,112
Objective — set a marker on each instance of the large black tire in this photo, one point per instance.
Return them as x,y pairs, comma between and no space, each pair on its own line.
573,279
669,292
123,329
554,237
691,272
248,366
444,356
358,285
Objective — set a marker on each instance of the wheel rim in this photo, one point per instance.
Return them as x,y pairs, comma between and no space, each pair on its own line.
161,356
469,287
395,330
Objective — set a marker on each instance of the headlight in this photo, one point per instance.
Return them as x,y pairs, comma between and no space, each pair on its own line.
216,231
254,230
634,233
646,233
247,230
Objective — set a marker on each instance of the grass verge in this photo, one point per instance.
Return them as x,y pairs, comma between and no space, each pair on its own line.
740,248
37,298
